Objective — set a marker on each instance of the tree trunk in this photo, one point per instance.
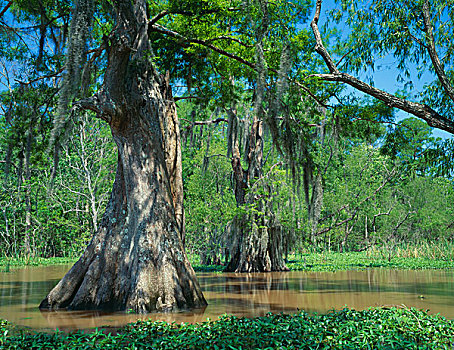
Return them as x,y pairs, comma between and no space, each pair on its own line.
28,204
256,239
136,260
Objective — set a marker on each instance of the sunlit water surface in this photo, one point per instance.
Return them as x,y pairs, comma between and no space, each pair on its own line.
22,290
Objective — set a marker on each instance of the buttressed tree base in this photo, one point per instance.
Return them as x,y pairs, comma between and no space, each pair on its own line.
136,260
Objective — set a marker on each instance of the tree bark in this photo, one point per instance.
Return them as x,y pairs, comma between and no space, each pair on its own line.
257,240
136,260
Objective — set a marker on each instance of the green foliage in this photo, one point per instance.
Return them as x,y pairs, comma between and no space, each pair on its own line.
62,217
348,148
231,27
405,256
209,200
7,263
409,141
390,328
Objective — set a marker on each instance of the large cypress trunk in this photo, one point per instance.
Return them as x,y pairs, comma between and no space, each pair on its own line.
136,260
256,237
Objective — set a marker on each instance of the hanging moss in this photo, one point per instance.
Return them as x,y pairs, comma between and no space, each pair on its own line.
74,73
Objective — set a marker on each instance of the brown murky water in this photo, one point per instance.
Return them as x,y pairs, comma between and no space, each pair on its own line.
242,295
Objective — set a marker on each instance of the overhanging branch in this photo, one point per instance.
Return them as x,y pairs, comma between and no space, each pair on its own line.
7,6
153,27
160,29
438,66
432,117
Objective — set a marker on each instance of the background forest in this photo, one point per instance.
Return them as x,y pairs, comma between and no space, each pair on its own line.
316,168
376,189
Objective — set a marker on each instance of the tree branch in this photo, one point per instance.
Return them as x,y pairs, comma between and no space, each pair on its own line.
157,17
419,110
51,75
99,103
378,215
160,29
8,5
356,208
438,66
152,27
204,122
319,47
224,37
402,221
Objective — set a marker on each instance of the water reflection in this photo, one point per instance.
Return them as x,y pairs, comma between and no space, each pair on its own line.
241,294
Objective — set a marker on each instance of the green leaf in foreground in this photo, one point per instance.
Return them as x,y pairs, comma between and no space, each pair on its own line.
390,328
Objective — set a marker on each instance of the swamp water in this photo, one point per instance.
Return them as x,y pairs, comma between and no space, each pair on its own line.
21,290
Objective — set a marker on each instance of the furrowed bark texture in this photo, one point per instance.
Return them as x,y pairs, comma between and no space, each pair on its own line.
256,240
136,260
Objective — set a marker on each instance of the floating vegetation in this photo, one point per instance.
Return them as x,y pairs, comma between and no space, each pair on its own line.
390,328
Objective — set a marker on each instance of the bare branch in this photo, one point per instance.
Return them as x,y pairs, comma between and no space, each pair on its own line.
327,229
402,221
355,210
345,55
380,214
158,17
309,92
51,75
319,47
432,117
99,103
333,214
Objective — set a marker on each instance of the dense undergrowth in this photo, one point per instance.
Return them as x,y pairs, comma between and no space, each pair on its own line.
375,328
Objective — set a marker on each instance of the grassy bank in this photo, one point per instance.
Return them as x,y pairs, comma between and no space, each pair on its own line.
7,263
392,328
437,255
411,258
333,261
362,260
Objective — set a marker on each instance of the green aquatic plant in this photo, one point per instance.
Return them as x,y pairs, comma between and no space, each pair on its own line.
324,261
7,263
382,328
331,261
